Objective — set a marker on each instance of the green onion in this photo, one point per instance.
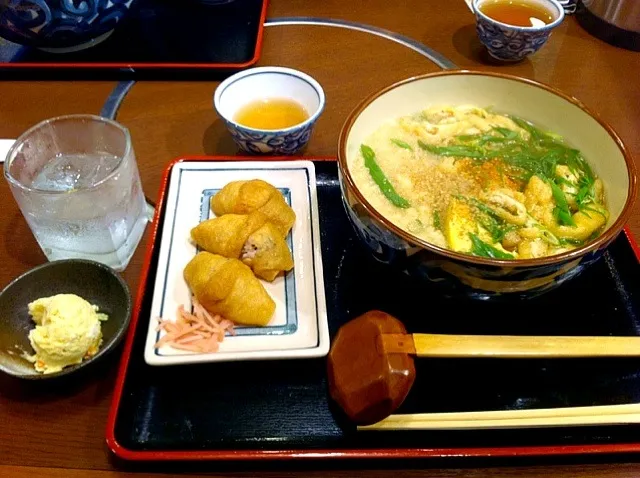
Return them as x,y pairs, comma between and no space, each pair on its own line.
380,178
568,241
401,144
506,132
591,209
584,195
538,155
593,235
548,236
497,233
459,151
415,226
487,218
535,133
436,220
467,137
563,182
482,206
482,249
561,211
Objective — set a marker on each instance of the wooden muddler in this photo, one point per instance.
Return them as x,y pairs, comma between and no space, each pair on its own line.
371,369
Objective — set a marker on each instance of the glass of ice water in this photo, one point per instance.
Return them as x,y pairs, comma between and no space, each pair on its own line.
76,181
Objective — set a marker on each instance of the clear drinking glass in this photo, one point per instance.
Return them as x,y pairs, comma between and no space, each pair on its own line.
76,181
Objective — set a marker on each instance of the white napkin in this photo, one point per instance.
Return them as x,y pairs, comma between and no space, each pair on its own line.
5,144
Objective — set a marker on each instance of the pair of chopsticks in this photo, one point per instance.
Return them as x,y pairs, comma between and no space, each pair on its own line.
538,418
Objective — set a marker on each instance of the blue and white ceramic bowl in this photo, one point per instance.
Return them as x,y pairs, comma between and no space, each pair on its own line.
60,25
269,82
463,275
512,43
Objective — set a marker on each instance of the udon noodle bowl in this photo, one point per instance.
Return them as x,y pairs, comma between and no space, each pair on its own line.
479,182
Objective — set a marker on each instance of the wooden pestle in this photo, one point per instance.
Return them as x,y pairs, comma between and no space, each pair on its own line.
371,370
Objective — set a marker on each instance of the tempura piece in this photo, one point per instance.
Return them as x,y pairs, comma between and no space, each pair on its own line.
243,197
249,237
228,287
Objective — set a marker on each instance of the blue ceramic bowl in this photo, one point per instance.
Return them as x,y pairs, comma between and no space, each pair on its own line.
269,82
512,43
60,25
458,274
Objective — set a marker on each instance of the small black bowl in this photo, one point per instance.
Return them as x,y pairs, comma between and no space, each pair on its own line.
96,283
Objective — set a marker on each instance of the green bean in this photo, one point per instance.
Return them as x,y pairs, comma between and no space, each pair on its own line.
380,178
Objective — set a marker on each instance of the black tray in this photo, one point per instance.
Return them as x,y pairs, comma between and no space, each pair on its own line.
160,35
281,408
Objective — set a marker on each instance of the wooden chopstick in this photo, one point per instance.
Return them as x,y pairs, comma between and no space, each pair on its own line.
548,417
502,424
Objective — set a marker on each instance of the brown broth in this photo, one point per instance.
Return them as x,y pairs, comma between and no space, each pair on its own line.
271,113
516,12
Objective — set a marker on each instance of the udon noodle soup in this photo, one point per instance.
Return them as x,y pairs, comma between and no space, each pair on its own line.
481,183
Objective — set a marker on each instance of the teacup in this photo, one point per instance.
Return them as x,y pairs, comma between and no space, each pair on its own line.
513,43
269,82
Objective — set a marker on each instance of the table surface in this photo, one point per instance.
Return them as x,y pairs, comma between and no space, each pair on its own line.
55,431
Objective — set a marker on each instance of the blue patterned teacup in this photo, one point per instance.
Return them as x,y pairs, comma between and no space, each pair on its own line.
263,83
512,43
60,25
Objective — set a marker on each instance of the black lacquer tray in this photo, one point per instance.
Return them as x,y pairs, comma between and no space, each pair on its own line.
187,36
280,409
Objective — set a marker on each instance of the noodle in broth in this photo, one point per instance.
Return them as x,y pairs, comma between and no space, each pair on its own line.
481,183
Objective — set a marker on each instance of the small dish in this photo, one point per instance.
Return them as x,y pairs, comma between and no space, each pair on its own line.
98,284
269,82
513,43
299,327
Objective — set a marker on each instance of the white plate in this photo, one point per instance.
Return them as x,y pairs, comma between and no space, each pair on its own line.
299,327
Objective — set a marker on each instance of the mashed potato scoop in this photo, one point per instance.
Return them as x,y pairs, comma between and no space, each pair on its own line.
67,331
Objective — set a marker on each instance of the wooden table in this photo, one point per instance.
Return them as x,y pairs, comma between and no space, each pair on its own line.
50,430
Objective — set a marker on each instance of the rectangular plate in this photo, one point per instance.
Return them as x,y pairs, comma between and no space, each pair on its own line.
299,326
281,409
162,34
